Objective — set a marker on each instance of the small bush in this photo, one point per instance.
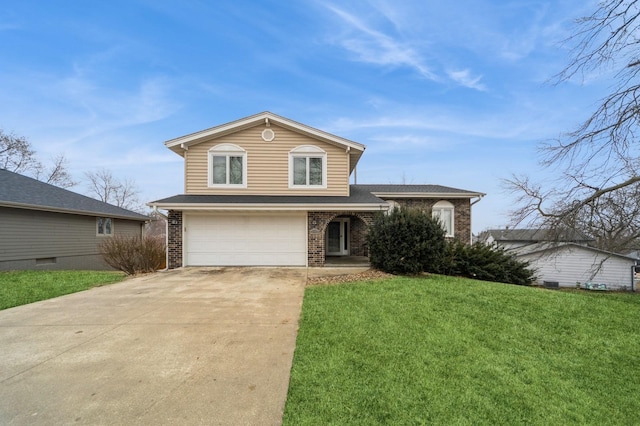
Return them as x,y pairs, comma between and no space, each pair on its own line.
406,241
484,262
134,255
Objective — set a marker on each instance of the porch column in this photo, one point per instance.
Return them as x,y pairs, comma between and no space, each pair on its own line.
317,223
174,239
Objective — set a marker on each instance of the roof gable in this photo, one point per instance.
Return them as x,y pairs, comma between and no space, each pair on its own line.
182,143
20,191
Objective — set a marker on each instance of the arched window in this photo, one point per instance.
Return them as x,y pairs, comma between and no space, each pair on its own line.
307,167
444,211
227,166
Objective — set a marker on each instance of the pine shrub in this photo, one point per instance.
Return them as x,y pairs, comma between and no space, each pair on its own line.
132,254
484,262
406,241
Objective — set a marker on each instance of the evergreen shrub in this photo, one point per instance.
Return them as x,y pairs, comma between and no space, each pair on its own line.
406,241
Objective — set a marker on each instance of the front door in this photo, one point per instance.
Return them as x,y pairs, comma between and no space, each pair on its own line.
337,241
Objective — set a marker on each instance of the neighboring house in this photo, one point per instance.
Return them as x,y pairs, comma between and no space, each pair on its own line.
46,227
567,260
512,238
266,190
568,264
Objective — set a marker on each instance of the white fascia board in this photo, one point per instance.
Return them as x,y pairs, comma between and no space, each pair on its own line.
428,194
233,126
272,207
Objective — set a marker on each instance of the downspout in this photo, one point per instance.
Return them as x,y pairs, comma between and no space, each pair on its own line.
633,278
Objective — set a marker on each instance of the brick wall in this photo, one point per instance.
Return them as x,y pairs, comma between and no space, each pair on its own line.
462,213
318,221
174,246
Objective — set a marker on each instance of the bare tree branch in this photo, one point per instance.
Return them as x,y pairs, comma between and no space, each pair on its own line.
17,155
597,190
105,187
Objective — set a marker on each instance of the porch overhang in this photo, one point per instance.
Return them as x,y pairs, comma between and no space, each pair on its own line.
269,207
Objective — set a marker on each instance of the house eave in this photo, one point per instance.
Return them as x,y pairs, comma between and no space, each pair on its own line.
270,207
68,211
428,194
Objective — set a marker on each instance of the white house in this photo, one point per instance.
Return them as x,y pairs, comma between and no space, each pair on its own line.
570,264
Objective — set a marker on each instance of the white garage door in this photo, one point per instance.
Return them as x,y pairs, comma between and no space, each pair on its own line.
245,240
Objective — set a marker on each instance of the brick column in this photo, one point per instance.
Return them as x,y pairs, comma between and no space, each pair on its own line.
174,244
317,225
318,222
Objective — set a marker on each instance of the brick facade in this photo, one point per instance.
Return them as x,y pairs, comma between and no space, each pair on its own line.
461,218
318,221
317,228
174,246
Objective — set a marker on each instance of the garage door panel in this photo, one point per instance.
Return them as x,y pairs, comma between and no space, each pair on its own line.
244,240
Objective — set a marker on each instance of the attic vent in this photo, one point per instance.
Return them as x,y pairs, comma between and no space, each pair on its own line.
268,135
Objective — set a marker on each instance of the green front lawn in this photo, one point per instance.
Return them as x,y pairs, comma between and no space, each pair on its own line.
22,287
444,350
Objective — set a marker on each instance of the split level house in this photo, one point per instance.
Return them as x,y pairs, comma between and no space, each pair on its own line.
46,227
268,191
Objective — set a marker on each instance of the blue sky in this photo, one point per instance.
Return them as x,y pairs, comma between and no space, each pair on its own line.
455,94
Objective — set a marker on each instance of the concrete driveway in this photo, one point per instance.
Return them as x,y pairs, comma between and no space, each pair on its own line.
189,346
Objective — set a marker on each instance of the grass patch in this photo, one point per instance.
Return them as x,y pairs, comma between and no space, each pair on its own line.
445,350
22,287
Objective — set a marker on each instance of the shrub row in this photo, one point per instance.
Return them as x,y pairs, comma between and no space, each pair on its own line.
484,262
409,241
134,255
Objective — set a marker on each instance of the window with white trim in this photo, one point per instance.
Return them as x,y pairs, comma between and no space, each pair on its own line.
443,211
104,226
227,166
307,167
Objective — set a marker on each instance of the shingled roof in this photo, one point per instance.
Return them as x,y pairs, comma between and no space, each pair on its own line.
534,235
417,190
357,197
20,191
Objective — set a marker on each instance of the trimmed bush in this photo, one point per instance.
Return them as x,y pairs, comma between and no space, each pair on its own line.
134,255
484,262
406,241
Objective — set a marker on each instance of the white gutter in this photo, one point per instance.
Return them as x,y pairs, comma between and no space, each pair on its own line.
428,194
270,207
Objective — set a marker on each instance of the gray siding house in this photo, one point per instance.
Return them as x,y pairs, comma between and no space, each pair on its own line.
46,227
565,260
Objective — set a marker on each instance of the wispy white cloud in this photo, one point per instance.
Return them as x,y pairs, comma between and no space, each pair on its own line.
464,78
376,47
398,45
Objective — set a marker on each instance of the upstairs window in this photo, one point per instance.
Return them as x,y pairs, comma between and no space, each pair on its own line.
307,167
104,226
443,211
227,166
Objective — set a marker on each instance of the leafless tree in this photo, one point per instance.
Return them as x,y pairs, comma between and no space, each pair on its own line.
597,190
105,187
17,155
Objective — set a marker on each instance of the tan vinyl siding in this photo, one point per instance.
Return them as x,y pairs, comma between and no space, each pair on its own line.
267,164
27,235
